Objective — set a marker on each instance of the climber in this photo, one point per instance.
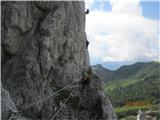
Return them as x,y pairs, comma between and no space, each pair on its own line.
87,43
85,81
87,11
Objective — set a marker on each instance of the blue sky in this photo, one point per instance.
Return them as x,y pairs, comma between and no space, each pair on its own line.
125,32
150,8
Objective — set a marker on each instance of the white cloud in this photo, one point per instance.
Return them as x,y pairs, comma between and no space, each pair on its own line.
124,6
122,34
89,3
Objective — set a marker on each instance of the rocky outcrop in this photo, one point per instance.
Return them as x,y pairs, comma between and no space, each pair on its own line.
9,110
147,115
43,50
7,106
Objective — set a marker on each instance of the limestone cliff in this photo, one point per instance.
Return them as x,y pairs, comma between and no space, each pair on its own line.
43,49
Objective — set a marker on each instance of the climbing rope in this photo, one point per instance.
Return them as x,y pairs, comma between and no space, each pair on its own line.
48,97
52,95
62,105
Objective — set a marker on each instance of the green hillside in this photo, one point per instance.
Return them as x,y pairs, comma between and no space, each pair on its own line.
139,82
144,90
136,71
111,85
136,82
147,90
102,72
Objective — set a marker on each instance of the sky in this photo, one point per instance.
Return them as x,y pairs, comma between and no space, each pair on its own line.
122,31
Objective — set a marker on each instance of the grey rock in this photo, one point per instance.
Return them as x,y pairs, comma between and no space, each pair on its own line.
43,50
9,110
145,115
7,105
141,115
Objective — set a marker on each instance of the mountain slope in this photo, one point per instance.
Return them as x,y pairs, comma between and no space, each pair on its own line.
144,90
132,87
102,72
135,71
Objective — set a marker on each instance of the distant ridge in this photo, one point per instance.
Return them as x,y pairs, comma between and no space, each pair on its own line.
137,70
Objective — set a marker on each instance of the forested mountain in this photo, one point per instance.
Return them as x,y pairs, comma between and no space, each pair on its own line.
138,70
144,90
137,83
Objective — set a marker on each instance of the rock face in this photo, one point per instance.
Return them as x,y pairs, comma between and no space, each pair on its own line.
8,107
44,49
